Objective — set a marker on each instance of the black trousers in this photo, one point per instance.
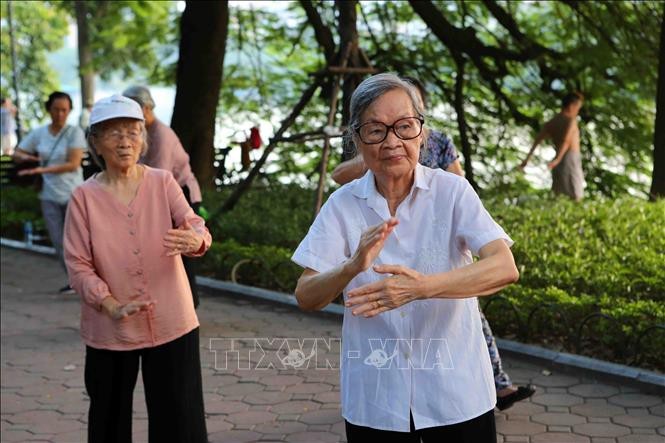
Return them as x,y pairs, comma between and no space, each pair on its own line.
481,429
190,263
173,392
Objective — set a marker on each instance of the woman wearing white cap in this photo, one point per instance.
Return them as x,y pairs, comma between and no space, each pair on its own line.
125,232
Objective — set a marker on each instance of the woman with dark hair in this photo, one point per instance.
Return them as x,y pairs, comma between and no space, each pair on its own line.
59,148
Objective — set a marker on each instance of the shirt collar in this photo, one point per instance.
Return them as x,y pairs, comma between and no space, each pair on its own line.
365,187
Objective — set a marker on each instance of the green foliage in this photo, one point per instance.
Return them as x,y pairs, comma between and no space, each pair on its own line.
603,49
599,256
131,37
39,28
276,215
17,206
612,64
256,265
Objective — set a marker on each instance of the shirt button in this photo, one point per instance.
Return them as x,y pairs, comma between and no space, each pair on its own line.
402,314
136,252
131,232
142,291
130,215
139,272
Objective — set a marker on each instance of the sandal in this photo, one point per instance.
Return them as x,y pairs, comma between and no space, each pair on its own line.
507,401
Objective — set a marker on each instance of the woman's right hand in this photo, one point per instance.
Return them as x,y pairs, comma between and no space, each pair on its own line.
118,311
21,157
371,243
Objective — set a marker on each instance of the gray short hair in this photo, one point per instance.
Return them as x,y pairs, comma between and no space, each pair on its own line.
367,93
141,95
96,130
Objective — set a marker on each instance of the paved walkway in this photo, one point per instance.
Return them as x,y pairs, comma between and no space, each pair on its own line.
43,398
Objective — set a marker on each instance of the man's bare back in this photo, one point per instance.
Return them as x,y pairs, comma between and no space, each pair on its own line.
563,129
567,174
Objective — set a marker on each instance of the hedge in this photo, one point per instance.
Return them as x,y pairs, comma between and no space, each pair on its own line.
600,262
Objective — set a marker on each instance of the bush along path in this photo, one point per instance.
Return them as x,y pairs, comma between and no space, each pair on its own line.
592,276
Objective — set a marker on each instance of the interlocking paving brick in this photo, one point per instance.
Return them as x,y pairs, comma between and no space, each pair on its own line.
562,409
295,407
323,416
643,430
559,437
13,403
242,389
16,436
635,400
555,428
327,397
523,408
234,437
280,427
281,380
225,407
637,421
557,400
309,388
267,398
658,410
250,417
518,427
597,410
593,390
558,419
309,437
555,381
217,424
601,430
640,439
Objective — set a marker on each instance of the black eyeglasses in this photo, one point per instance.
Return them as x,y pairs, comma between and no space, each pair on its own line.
405,128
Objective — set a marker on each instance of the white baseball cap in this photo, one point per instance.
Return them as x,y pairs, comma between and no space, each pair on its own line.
115,106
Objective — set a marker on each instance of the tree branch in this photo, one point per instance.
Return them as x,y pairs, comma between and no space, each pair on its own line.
322,32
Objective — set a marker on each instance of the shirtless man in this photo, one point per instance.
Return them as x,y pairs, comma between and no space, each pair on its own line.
567,174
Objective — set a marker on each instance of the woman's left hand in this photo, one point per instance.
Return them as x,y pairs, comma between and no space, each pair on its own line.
375,298
183,240
31,171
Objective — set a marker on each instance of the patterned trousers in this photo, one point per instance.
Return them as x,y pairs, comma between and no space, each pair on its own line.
501,379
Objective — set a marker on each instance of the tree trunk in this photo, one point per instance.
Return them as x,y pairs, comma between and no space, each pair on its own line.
86,70
203,31
658,176
348,35
461,121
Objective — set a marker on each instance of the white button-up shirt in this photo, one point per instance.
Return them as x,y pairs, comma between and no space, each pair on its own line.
429,357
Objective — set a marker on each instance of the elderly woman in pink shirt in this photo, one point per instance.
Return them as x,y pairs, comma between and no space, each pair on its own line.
125,232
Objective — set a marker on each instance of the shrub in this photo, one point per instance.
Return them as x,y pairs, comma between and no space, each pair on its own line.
592,273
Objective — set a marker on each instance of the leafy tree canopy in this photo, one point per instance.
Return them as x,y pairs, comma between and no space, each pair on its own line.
37,78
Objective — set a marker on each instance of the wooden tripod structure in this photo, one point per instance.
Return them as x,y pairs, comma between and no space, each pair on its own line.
336,73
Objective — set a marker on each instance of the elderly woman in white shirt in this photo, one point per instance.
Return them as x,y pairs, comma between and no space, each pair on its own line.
399,244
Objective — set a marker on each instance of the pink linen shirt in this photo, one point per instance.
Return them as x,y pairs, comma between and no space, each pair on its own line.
166,152
117,249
